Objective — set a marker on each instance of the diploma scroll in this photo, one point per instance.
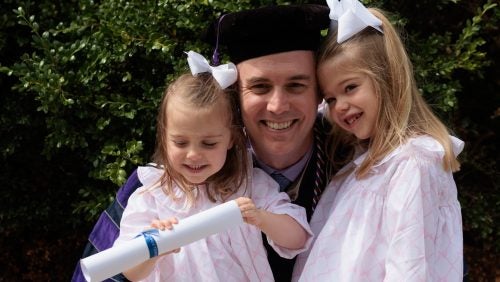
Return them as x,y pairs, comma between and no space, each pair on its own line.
119,258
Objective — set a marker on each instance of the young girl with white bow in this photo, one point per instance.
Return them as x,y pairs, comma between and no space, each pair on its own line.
203,157
391,213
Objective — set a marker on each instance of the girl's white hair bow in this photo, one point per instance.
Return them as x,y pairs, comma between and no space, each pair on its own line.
225,74
352,17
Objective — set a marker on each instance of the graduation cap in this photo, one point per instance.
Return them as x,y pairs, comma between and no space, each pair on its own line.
268,30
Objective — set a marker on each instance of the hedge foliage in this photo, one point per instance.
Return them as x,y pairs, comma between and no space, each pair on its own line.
81,81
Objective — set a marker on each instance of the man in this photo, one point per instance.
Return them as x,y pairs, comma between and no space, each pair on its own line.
273,48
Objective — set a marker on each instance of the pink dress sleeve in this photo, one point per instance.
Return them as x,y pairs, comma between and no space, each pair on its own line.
137,217
424,223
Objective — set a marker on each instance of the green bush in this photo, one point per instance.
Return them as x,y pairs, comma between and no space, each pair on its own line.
81,81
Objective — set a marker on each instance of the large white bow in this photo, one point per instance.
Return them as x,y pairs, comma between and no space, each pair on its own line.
225,74
352,17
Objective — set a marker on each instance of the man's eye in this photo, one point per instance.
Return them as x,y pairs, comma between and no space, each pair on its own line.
260,88
296,87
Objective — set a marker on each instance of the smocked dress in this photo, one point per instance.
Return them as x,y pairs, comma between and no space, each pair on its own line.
400,223
234,255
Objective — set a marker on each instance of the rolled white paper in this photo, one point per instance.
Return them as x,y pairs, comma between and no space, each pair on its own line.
119,258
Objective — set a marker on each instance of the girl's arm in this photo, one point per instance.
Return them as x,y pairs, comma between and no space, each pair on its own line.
281,228
143,270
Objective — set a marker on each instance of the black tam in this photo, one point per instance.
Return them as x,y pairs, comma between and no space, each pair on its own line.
268,30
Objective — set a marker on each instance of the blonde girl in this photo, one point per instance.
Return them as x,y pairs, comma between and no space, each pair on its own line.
391,213
202,162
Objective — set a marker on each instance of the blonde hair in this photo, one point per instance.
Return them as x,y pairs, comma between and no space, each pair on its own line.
203,92
403,113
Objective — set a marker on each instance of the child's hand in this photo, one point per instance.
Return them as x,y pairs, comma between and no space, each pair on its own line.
250,213
166,224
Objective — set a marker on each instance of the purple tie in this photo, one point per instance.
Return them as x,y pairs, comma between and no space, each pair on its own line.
281,179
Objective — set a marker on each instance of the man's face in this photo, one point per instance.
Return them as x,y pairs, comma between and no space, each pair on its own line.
279,105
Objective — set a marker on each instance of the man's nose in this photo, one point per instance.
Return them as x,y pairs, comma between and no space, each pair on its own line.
278,102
